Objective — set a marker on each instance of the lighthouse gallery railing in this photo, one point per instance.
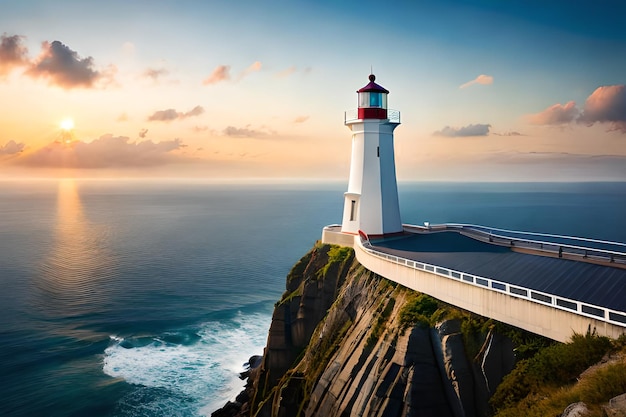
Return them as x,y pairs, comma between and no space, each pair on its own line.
353,115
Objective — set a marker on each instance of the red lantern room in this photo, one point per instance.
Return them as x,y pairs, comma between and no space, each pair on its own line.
372,101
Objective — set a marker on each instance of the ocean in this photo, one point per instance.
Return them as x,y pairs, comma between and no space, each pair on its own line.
145,298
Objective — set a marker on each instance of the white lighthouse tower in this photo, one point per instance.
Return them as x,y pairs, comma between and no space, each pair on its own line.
371,202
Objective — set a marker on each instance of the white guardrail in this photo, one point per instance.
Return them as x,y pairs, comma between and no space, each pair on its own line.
576,307
607,251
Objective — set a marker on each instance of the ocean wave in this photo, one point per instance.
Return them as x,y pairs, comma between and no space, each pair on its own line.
192,371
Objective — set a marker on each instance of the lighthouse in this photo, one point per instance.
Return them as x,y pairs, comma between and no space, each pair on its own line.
371,202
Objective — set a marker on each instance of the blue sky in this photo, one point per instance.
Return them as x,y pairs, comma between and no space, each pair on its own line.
488,90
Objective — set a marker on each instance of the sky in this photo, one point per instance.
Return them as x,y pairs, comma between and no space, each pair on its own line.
240,90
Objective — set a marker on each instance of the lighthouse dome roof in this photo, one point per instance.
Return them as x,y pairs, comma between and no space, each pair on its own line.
372,86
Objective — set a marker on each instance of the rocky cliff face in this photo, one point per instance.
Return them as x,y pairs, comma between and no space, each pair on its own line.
346,342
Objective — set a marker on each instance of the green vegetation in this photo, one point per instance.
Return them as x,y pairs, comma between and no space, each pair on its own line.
594,388
287,297
535,381
336,255
419,308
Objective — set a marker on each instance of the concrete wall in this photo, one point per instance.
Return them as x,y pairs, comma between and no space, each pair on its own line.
333,235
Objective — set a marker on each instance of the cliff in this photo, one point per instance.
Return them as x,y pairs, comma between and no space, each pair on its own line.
346,342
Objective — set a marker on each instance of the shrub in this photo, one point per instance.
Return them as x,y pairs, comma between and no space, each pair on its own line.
603,384
418,309
559,364
336,255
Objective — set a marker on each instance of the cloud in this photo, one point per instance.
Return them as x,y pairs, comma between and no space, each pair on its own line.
481,79
164,115
508,134
286,72
13,53
155,73
199,129
220,73
11,148
255,67
557,114
469,130
108,151
122,117
196,111
63,67
171,114
243,132
301,119
606,104
143,133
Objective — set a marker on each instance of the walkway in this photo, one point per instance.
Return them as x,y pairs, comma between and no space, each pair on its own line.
598,285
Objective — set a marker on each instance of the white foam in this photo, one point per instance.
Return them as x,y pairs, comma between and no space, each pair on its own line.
205,371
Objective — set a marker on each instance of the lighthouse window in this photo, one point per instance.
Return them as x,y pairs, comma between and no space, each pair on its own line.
352,210
376,100
364,99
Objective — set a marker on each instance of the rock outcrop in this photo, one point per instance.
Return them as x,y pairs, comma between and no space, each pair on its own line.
346,342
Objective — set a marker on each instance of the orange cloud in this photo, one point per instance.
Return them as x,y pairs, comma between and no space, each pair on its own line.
555,115
255,67
287,72
242,132
481,79
247,132
301,119
11,148
220,73
12,53
606,104
107,151
171,114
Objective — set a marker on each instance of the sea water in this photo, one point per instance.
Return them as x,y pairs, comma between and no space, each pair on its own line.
145,298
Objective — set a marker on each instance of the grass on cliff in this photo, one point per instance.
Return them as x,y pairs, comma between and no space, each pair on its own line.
336,255
419,308
545,384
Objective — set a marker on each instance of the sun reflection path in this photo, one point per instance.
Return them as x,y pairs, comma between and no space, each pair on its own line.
73,274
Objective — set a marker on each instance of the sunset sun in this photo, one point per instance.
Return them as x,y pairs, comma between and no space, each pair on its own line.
67,130
67,124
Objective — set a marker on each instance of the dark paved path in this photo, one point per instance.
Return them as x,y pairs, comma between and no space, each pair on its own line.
603,286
